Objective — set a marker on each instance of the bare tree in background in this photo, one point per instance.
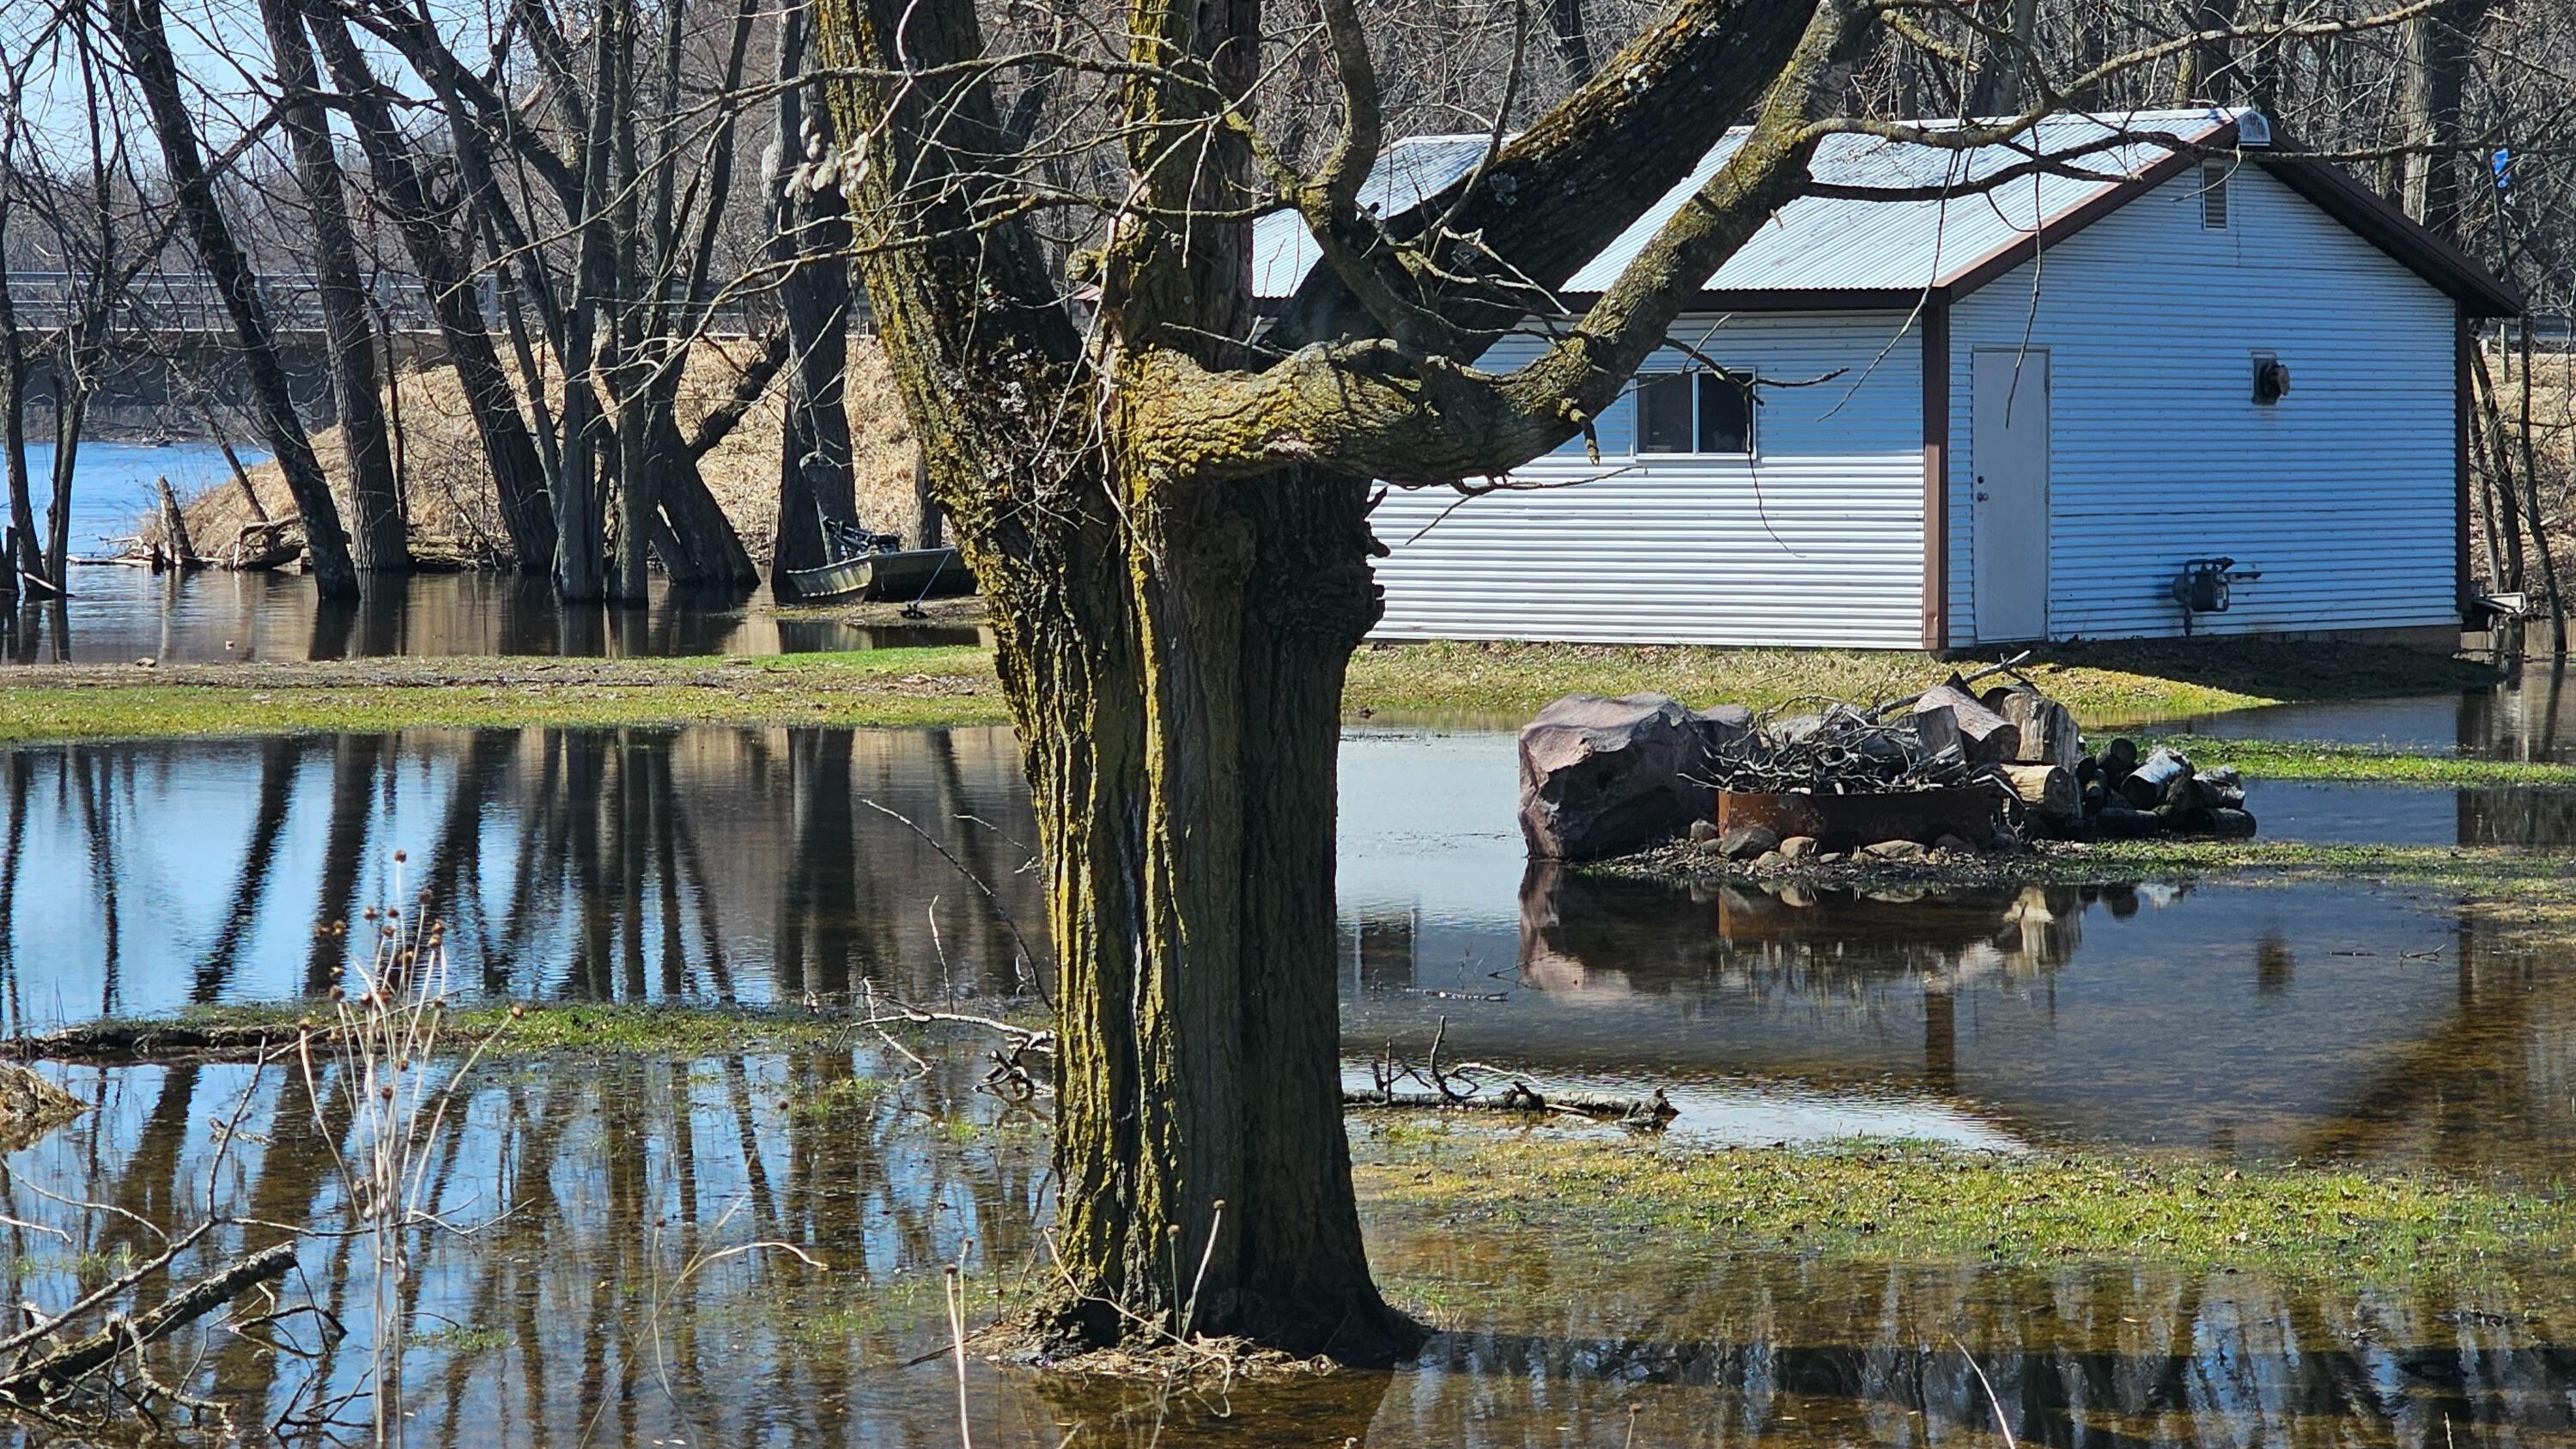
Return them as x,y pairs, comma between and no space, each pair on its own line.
140,34
380,542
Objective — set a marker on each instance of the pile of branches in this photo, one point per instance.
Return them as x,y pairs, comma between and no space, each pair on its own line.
1847,750
1840,751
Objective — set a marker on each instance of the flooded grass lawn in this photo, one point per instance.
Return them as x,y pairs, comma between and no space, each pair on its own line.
606,1283
2210,1155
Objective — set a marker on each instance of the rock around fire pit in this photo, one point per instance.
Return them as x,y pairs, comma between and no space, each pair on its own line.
1947,769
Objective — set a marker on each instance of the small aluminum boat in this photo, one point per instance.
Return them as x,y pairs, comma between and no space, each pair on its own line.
904,574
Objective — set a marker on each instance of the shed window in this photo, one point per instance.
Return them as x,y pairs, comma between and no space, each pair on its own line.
1693,412
2213,197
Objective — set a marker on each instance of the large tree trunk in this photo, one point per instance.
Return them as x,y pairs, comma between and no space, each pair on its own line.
1174,620
25,555
71,416
691,535
348,332
2436,84
138,28
810,236
581,525
518,474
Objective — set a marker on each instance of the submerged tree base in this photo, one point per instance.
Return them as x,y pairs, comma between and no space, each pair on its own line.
1051,1338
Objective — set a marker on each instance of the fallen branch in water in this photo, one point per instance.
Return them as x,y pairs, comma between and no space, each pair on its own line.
158,1041
1524,1099
48,1378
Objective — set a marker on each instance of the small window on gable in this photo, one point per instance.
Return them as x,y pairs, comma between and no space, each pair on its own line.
1693,413
2213,197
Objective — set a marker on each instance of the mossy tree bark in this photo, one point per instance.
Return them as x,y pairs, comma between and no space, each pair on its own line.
1170,522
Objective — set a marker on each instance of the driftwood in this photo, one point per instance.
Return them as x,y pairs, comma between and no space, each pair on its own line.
49,1377
1522,1098
174,550
1947,717
263,543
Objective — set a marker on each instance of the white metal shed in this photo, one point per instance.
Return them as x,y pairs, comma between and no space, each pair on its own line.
1991,413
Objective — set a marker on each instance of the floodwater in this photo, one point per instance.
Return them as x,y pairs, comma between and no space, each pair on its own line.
214,617
750,1249
117,614
786,865
612,1294
2530,715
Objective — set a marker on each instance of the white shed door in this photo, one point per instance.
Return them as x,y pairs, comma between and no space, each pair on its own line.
2008,451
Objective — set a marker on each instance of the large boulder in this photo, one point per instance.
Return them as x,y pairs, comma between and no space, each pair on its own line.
1601,777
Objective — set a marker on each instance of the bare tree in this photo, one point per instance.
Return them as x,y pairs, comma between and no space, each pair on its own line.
348,324
139,32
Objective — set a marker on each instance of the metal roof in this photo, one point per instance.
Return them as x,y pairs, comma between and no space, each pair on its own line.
1818,242
1407,174
1855,245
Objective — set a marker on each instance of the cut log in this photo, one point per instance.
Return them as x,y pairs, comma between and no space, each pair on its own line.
1947,716
2119,757
2145,786
2048,732
2049,790
2121,822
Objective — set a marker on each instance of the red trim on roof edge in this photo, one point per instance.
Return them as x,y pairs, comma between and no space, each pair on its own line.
2012,254
2326,186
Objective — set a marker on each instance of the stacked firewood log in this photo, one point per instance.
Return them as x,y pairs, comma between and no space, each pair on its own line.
2012,736
2031,744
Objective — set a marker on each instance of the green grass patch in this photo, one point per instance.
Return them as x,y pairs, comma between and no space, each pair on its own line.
2280,760
539,1029
1894,1202
2104,684
950,685
1493,683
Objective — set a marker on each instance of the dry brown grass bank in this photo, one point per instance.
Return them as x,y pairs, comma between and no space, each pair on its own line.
449,496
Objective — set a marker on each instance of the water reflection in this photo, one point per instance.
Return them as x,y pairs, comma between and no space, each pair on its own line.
2529,715
591,1304
749,865
2269,1020
711,864
120,614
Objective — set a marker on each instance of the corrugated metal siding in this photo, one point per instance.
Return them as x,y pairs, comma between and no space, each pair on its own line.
2342,494
1817,540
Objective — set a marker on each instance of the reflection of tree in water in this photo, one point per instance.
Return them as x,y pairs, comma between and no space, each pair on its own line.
1749,1346
573,1310
2523,817
571,1316
599,864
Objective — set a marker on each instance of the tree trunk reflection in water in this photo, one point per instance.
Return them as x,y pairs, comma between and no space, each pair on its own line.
619,852
280,761
13,1007
825,885
338,931
96,791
